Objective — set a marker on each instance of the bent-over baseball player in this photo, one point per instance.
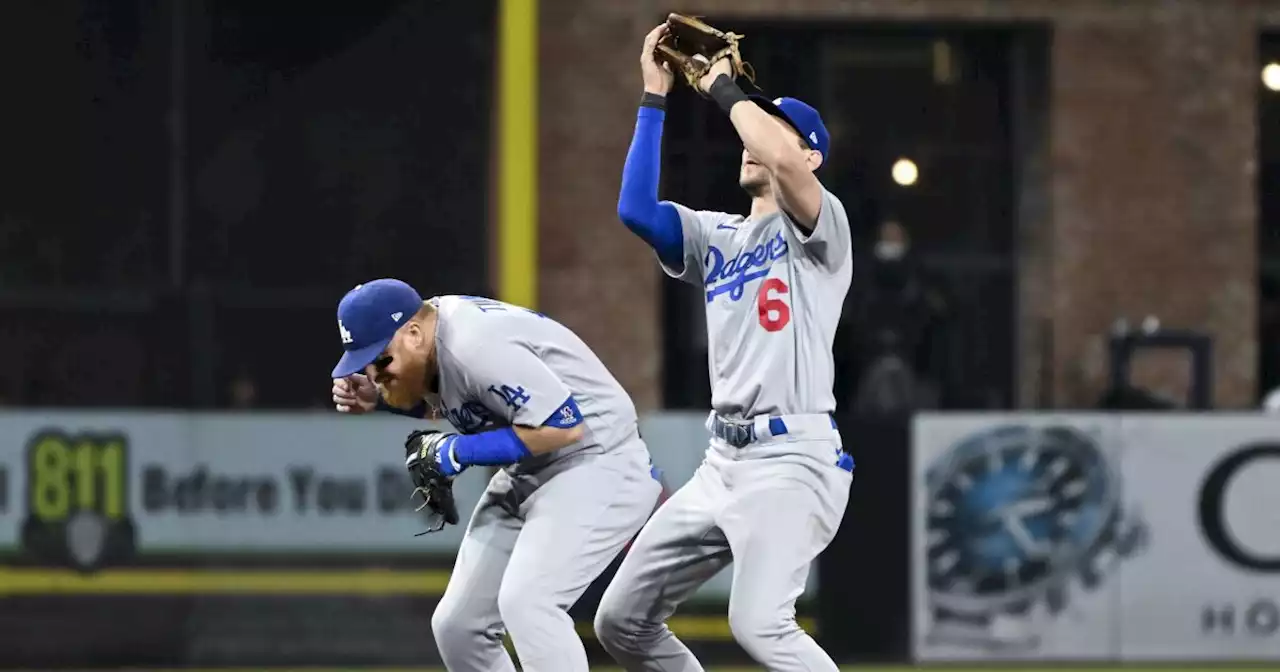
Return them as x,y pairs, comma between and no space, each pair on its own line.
772,490
526,393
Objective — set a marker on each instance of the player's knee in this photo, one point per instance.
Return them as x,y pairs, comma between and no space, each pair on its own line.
522,606
620,625
611,622
449,624
758,631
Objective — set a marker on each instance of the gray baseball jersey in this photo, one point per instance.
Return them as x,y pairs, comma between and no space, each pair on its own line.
502,365
547,526
773,300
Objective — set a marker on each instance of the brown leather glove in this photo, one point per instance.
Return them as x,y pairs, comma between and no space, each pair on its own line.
690,47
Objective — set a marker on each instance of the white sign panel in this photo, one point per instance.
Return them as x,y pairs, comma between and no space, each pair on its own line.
186,483
1087,537
1209,587
1015,526
308,482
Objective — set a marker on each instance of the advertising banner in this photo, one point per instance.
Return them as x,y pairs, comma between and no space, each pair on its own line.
1096,537
1014,515
136,538
244,539
87,488
1209,585
91,489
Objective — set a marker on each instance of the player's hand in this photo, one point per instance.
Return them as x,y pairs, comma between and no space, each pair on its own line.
355,394
721,67
431,469
657,77
428,458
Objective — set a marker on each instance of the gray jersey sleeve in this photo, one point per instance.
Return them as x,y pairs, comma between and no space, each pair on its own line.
696,227
830,243
508,378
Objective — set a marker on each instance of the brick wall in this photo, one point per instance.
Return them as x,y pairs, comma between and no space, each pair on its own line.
1149,173
596,276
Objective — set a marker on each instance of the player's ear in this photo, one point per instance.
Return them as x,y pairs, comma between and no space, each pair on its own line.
413,334
813,159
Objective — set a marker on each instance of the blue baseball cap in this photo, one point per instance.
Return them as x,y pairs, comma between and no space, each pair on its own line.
368,318
800,116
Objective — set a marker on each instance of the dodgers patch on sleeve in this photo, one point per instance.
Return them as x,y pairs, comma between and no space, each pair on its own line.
566,416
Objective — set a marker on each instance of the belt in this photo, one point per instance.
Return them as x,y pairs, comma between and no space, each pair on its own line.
742,433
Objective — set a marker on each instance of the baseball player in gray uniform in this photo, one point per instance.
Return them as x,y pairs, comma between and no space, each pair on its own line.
526,393
772,490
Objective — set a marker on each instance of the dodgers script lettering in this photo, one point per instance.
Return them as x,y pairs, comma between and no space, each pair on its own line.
730,277
469,418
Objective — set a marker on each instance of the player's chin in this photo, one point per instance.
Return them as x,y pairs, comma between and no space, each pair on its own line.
397,396
752,172
752,183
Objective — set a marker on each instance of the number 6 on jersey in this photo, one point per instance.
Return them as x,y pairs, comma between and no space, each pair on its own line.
774,312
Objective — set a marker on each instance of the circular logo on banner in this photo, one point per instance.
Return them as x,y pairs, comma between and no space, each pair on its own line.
1223,476
1014,514
78,499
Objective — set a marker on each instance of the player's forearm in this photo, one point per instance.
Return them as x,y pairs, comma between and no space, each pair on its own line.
496,447
541,440
658,224
762,137
500,447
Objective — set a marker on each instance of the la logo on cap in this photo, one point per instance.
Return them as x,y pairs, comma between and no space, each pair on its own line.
342,331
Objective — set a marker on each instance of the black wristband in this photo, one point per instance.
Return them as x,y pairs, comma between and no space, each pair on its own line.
654,100
726,93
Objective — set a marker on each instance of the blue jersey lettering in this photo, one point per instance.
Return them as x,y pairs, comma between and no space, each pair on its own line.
514,397
733,274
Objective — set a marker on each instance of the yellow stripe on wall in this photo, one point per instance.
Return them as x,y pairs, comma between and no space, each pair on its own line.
219,581
34,582
700,628
518,152
944,667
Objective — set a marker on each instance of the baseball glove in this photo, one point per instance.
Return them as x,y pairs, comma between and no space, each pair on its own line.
422,459
691,47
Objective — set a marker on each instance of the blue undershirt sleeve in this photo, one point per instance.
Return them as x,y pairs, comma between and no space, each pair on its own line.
656,222
496,447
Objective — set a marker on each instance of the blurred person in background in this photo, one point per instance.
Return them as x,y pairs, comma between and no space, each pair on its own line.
893,330
242,392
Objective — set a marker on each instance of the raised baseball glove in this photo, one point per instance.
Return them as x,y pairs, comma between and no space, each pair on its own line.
422,459
691,47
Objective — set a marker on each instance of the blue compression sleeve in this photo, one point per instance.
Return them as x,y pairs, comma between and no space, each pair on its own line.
495,447
657,223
